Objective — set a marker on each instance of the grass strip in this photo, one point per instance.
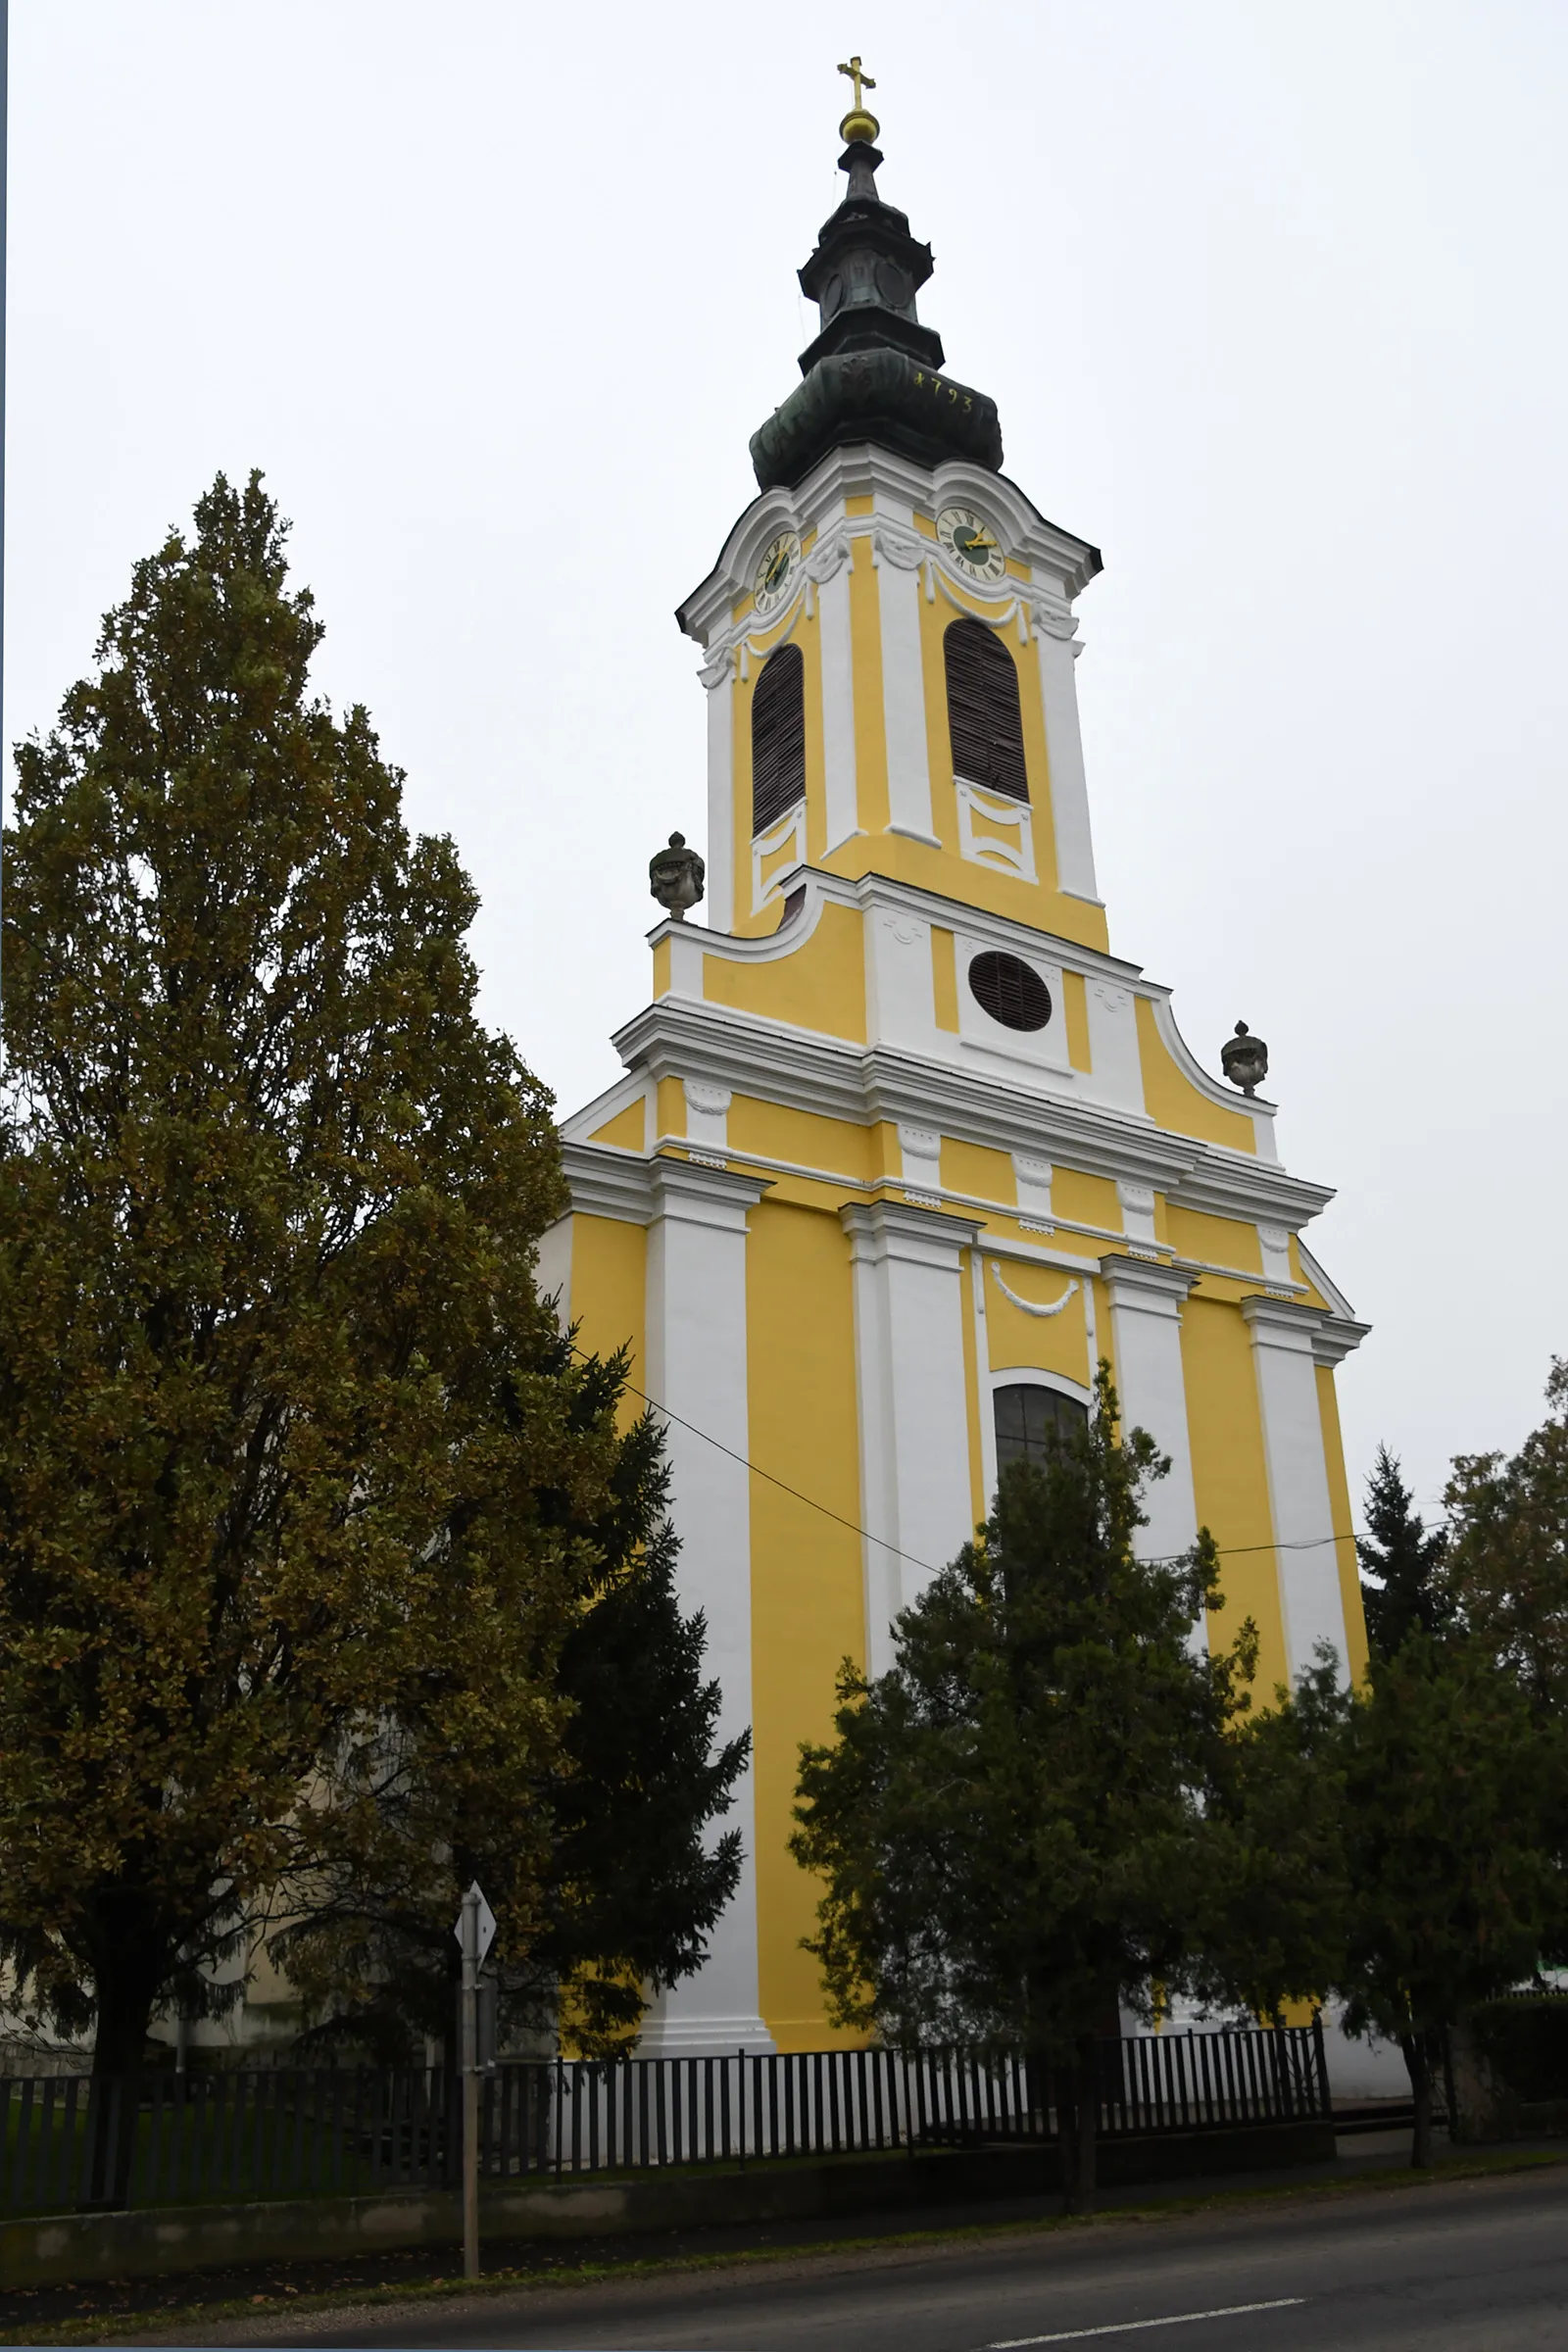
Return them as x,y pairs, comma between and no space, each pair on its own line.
118,2328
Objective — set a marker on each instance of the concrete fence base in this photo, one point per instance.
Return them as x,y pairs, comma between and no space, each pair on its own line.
162,2240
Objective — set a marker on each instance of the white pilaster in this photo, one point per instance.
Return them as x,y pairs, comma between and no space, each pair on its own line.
904,692
1116,1071
899,992
552,1275
697,1368
720,679
909,1307
1284,1354
1145,1307
1065,752
1032,1179
838,706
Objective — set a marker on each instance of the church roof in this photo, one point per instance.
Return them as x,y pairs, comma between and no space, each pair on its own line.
873,373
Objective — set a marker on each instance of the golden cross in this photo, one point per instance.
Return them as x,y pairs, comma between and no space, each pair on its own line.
859,79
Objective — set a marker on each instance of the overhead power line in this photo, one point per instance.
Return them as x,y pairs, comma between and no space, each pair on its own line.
1225,1551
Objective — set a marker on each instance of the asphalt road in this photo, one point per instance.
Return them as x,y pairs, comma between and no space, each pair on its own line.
1477,2266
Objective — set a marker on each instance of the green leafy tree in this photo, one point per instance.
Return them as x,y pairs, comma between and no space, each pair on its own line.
631,1885
1402,1586
1015,1824
1508,1568
294,1463
1452,1781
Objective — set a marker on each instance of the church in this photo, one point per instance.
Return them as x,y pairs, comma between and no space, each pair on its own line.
902,1150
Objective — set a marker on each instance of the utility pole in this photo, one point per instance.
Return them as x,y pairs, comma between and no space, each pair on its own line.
475,1931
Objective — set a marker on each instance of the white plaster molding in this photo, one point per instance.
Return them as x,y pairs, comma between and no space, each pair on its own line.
552,1272
896,543
1031,1177
811,1072
1284,1339
721,797
904,694
1060,564
629,1088
995,808
787,833
920,1162
1146,1302
1113,1043
1335,1338
696,1352
1064,756
1138,1216
1031,1307
606,1183
900,985
706,1113
1274,1245
840,793
916,1493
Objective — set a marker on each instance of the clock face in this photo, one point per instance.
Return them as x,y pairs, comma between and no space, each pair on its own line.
775,573
969,538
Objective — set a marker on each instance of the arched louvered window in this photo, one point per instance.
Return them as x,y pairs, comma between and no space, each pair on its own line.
984,720
1032,1422
778,737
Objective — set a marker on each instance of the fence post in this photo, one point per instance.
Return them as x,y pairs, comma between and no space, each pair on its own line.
1320,2053
468,1928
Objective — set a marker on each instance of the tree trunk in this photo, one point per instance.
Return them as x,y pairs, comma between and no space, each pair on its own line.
1088,2122
1418,2065
1067,2135
128,1985
1078,2125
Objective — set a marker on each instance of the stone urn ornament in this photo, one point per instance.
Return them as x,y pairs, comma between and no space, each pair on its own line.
1245,1059
675,877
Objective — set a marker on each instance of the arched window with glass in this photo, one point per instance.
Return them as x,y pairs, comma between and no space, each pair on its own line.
1032,1422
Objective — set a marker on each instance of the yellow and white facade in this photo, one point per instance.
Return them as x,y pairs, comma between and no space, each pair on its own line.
834,1204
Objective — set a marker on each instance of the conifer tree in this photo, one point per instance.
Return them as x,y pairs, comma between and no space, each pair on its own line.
297,1474
1403,1589
1452,1787
1013,1823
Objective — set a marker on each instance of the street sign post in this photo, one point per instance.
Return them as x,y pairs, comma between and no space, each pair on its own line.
476,1933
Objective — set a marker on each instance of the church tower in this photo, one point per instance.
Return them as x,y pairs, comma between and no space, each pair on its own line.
902,1150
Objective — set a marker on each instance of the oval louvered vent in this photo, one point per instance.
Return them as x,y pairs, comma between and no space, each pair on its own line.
984,718
1010,990
778,737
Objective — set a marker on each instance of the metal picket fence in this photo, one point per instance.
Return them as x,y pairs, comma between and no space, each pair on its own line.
163,2138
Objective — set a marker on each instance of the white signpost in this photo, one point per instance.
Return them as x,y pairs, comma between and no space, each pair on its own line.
476,1933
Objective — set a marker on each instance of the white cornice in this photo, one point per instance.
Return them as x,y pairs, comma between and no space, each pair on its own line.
807,1070
875,893
1061,563
1333,1338
607,1183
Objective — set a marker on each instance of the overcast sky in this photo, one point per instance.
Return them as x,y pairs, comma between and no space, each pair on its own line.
1271,300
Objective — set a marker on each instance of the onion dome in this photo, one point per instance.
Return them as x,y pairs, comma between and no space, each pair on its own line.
873,373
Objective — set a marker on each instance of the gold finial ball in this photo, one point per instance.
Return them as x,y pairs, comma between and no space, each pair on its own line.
858,124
